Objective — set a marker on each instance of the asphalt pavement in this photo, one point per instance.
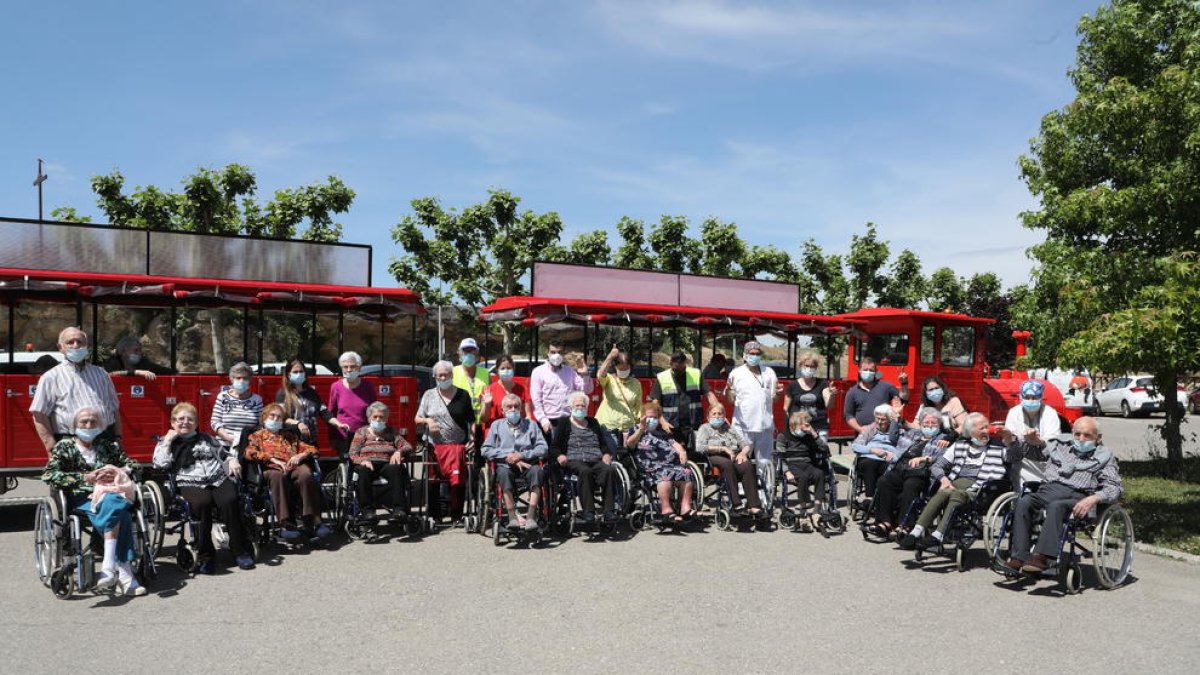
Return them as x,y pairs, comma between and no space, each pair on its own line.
748,602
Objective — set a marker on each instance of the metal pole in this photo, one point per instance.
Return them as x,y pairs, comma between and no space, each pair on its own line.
95,331
41,178
12,332
650,347
382,343
441,334
258,333
312,340
245,333
174,338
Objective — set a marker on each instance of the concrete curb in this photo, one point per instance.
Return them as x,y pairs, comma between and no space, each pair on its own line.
1167,553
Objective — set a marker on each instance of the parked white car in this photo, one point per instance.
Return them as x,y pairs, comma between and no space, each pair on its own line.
1133,395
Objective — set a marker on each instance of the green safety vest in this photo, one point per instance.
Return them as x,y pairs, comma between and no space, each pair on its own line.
475,387
671,397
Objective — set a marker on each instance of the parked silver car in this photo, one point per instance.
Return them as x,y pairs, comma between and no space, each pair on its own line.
1133,395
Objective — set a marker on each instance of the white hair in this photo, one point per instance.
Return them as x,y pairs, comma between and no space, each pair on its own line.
972,423
510,398
377,406
575,396
443,365
352,357
84,410
926,412
62,334
885,409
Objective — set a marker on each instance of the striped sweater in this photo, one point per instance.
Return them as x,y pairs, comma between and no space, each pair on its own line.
962,454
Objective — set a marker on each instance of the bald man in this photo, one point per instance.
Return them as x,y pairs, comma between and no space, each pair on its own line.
1080,473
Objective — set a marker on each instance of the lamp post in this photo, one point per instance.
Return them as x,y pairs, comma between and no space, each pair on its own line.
37,182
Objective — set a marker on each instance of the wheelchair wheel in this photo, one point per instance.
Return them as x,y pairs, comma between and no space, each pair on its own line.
787,519
1073,579
62,583
637,519
724,519
412,526
496,539
47,549
184,558
698,501
960,558
142,544
335,494
622,486
356,529
1113,554
485,486
153,506
997,526
767,484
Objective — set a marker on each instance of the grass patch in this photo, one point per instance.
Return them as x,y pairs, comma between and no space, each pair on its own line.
1164,502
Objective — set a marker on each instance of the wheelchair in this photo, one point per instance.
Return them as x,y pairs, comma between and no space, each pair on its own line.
906,520
497,513
1109,529
568,502
65,545
185,524
360,526
800,517
645,511
724,516
266,525
967,524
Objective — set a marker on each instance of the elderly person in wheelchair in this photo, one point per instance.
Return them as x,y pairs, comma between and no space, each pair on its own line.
909,475
516,445
376,450
205,473
875,447
961,474
285,460
1080,473
96,478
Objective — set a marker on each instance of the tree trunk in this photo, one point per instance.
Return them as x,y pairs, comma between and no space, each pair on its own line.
506,331
220,358
1168,386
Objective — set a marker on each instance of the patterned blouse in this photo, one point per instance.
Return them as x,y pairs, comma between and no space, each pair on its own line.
67,465
265,445
366,445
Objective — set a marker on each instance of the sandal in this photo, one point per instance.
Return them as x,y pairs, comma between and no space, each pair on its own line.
688,514
671,516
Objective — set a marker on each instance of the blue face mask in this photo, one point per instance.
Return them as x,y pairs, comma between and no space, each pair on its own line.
753,359
297,378
469,360
273,425
651,423
378,425
506,374
133,359
513,416
1083,447
979,442
76,355
929,432
445,384
866,375
717,423
88,435
578,413
808,372
1031,405
241,385
935,395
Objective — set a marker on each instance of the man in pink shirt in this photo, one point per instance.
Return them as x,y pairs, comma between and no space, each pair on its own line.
552,382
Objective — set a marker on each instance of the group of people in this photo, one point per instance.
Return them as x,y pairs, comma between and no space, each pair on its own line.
529,431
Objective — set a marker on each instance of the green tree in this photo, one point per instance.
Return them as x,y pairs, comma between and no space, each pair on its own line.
632,253
474,256
68,214
905,285
868,255
946,293
1115,172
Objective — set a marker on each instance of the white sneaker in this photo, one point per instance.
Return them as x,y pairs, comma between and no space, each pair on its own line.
106,580
134,588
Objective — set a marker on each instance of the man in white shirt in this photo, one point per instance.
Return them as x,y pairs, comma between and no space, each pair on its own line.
751,391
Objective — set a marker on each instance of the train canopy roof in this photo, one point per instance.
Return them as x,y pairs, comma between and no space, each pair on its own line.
868,313
534,311
165,291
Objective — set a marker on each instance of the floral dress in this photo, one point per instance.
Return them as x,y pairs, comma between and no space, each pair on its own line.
657,457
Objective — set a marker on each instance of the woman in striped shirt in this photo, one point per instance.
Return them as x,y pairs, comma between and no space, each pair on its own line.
377,450
237,409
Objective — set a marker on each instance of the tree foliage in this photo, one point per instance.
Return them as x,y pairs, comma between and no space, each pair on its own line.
1116,172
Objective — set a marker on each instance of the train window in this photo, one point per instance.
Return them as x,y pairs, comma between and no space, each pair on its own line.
149,326
35,334
287,335
5,347
958,346
928,338
208,340
887,350
327,342
362,336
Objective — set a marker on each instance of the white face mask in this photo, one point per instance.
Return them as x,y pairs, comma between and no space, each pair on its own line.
623,373
555,359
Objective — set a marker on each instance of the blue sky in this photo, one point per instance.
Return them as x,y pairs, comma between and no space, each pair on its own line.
794,120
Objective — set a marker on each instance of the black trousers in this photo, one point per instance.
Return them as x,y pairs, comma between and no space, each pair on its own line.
870,470
591,473
808,477
1058,499
896,492
733,473
222,499
397,488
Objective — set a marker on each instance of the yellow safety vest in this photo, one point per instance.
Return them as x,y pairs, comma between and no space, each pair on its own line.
671,396
473,386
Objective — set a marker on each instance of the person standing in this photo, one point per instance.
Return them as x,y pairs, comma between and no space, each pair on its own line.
71,386
864,397
751,391
551,383
470,376
683,395
621,405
